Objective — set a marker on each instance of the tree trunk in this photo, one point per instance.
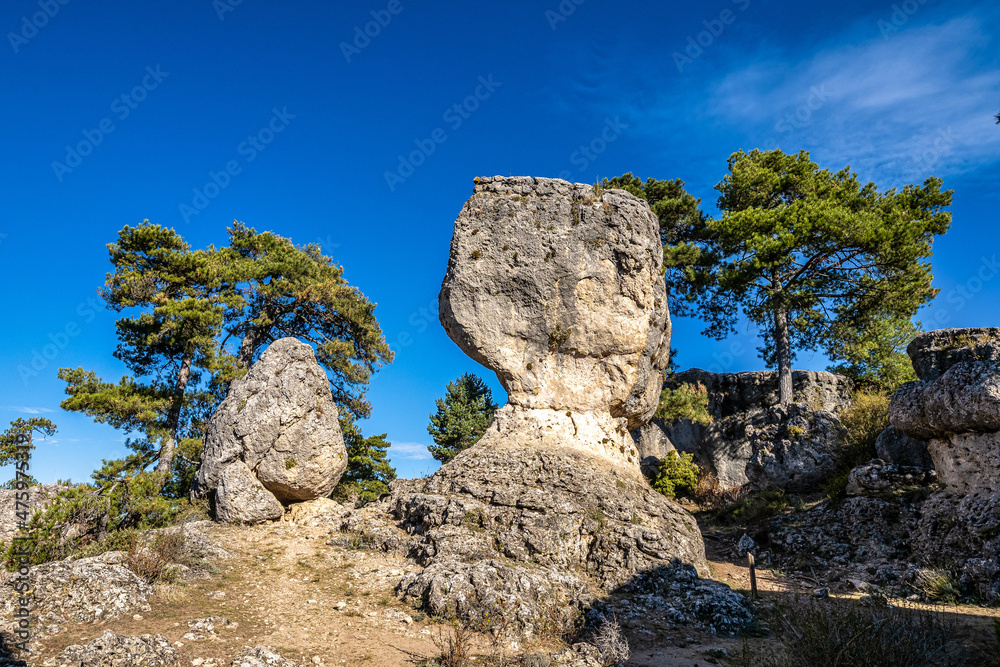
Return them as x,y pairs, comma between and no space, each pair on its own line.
783,352
174,418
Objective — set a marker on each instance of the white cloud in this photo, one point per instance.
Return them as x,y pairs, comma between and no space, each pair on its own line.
897,110
29,411
414,451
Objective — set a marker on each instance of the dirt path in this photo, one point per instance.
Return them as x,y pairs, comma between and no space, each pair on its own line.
285,588
321,599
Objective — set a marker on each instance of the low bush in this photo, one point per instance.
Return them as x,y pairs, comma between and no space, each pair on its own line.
87,520
864,419
676,474
835,633
753,508
152,559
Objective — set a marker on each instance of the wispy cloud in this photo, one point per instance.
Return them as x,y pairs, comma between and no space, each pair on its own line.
28,410
413,451
897,109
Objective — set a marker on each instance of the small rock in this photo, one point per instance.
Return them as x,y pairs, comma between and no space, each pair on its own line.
137,617
340,606
822,592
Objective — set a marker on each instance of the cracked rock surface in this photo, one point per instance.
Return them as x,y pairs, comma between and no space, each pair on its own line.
558,289
277,426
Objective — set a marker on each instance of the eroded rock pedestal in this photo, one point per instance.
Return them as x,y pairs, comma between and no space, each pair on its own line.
558,289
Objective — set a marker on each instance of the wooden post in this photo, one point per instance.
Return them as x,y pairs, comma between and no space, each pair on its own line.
753,576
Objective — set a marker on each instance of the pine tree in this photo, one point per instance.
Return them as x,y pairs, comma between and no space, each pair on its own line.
167,343
275,289
810,256
462,417
368,472
19,438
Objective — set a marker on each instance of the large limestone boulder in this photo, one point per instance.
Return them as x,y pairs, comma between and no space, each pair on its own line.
277,427
557,289
955,406
752,440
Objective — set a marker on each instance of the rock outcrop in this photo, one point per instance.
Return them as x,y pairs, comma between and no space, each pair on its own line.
752,440
100,588
894,446
114,650
274,440
557,288
955,406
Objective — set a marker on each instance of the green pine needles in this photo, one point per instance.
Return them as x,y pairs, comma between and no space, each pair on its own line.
462,417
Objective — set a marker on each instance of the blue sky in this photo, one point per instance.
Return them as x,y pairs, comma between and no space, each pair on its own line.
287,116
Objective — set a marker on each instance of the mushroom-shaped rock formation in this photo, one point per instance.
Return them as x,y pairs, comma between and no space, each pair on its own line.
558,289
278,430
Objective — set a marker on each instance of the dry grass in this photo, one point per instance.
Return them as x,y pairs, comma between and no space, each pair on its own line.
836,633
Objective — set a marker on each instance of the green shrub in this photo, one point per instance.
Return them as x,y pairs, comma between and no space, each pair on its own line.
753,509
867,416
86,516
676,474
688,401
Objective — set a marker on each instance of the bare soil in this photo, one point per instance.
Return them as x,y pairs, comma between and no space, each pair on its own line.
333,604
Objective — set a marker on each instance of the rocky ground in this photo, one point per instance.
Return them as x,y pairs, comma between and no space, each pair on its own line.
316,596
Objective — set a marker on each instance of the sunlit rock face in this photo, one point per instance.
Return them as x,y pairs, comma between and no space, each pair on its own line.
558,289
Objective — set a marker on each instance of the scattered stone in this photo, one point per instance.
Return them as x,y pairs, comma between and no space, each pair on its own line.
212,624
92,589
822,592
114,650
745,545
279,425
262,656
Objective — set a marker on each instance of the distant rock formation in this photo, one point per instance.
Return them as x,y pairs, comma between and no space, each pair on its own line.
955,406
558,289
274,440
752,440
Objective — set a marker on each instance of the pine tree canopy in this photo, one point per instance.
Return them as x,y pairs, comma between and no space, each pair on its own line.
462,417
808,255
